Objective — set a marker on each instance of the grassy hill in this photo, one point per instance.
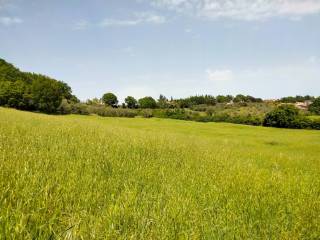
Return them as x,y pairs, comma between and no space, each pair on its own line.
86,177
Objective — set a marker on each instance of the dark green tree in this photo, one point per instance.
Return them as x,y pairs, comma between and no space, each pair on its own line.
147,102
222,99
131,102
29,91
110,99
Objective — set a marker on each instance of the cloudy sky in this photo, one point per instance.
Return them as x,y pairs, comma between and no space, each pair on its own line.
265,48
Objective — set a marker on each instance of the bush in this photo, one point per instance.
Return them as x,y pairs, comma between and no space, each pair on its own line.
180,114
315,124
238,119
283,116
146,113
111,112
80,108
65,107
301,122
315,106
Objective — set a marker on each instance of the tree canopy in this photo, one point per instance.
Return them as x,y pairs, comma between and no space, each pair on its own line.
30,91
131,102
110,99
147,102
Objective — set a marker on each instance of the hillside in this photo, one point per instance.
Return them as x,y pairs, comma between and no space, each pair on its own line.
87,177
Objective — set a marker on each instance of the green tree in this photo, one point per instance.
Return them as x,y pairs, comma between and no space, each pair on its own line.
94,101
47,94
131,102
147,102
163,102
31,91
283,116
315,106
110,99
222,99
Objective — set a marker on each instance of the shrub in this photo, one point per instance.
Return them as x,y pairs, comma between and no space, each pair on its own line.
301,122
315,106
282,117
65,107
315,124
112,112
80,108
146,113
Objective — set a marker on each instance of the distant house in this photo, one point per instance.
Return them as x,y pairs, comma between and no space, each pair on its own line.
303,105
230,103
270,100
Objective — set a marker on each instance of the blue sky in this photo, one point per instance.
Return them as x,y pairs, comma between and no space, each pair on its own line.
265,48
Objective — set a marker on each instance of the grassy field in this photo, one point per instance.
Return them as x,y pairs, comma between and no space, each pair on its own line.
87,177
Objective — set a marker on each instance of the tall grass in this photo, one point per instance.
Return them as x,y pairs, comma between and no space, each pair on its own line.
87,177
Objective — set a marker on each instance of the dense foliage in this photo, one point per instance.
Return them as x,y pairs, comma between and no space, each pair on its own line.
131,102
29,91
110,100
147,102
282,116
295,99
315,106
288,116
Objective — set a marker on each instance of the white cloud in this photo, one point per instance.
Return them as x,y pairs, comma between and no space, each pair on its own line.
7,21
313,59
248,10
139,18
113,22
219,75
81,25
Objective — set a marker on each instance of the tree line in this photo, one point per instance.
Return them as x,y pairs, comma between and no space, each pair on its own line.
111,100
36,92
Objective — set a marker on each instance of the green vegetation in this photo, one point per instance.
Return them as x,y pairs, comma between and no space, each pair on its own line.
131,102
288,116
315,106
110,100
86,177
297,98
316,117
34,92
147,102
29,91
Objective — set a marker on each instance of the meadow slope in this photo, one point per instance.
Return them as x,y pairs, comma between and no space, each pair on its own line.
87,177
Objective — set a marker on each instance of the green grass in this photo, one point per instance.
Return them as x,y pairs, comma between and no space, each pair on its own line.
315,117
86,177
